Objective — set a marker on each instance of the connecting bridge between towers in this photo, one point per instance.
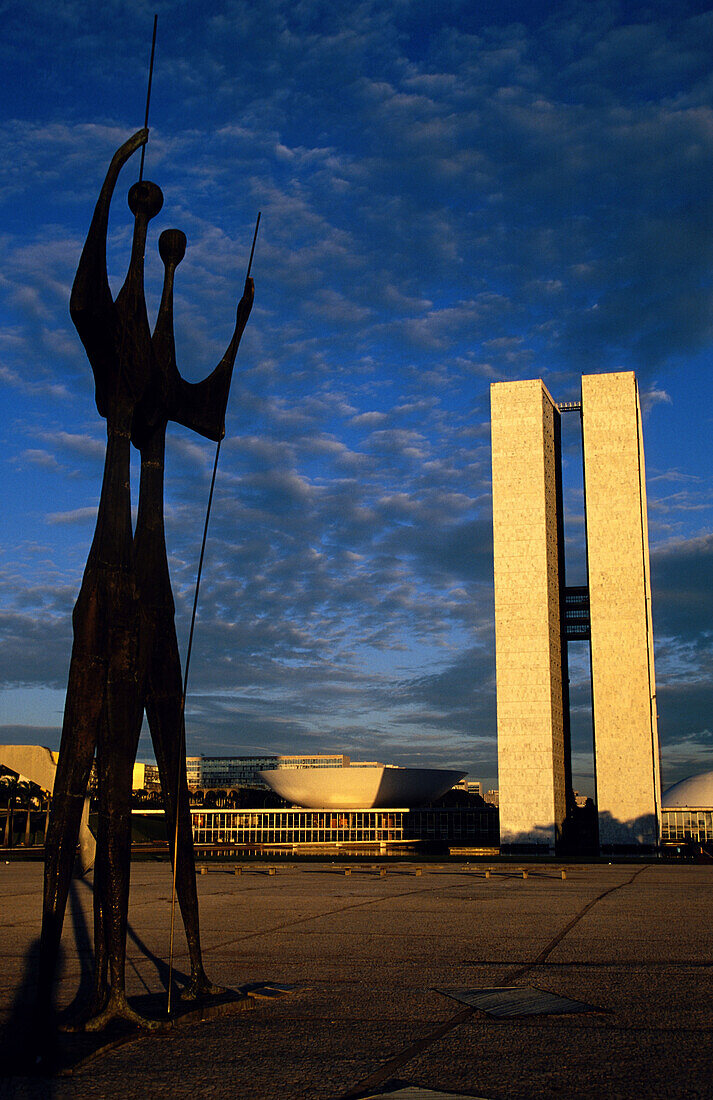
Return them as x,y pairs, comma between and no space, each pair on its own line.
577,622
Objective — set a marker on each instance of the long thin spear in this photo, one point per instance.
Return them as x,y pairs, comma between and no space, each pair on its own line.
181,726
148,94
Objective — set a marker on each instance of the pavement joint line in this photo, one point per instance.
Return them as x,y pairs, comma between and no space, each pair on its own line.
611,964
327,913
318,916
342,909
600,1020
334,912
568,927
388,1069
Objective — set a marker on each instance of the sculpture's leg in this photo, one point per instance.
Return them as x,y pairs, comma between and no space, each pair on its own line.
100,990
103,626
163,710
118,739
85,692
101,985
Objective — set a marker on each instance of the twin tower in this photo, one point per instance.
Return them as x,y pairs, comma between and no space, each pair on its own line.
537,615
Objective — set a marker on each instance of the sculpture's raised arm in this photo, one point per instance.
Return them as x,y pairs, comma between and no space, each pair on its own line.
91,305
201,406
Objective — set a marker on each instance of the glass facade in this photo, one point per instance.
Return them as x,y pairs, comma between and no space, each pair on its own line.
193,770
683,825
241,771
333,760
344,827
296,826
476,827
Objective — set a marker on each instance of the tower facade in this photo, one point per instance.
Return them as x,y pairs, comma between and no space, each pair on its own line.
626,744
536,615
533,733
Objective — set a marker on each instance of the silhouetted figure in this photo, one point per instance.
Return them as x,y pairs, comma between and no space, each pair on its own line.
125,656
102,701
201,407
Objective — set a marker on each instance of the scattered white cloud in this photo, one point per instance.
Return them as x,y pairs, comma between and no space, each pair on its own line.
448,199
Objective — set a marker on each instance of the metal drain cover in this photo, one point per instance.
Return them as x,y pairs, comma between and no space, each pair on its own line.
510,1001
268,991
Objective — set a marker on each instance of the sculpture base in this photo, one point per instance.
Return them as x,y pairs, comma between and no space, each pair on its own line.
70,1051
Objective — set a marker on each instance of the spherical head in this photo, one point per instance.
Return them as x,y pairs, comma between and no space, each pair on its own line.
172,246
145,198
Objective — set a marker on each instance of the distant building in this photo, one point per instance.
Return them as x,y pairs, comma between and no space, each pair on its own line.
344,832
472,786
193,770
492,797
146,778
242,771
687,814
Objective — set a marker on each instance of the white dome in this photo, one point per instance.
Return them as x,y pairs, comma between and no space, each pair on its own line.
696,792
359,788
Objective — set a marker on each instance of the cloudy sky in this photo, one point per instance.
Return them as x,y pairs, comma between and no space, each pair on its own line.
452,193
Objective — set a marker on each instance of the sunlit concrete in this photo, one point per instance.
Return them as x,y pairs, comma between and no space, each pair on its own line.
369,953
626,742
528,574
531,627
358,787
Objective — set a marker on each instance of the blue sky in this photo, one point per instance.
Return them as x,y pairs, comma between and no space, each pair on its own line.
452,194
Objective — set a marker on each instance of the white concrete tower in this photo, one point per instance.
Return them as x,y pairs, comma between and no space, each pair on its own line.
626,743
533,747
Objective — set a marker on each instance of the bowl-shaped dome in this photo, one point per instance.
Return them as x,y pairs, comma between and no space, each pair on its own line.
358,788
695,792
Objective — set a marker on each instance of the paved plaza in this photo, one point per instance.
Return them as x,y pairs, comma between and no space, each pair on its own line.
368,954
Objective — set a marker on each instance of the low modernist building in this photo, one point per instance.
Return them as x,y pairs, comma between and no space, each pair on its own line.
360,786
687,811
366,807
348,831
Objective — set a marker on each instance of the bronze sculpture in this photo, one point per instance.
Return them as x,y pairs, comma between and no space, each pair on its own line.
125,653
200,406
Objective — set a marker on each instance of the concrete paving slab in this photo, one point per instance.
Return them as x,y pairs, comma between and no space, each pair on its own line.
367,955
410,1093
